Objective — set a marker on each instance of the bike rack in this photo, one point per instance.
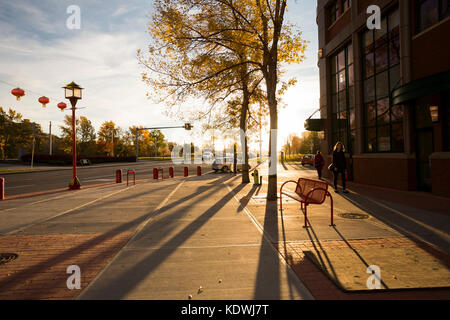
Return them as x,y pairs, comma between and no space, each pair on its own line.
162,173
131,171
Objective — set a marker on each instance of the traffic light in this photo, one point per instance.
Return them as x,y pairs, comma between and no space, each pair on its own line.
187,126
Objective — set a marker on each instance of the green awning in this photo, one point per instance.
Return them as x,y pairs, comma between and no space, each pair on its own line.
315,124
422,87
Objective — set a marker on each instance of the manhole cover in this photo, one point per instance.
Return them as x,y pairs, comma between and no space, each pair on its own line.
353,215
7,257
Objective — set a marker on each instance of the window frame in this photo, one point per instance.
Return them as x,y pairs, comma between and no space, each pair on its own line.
387,39
343,111
333,12
441,17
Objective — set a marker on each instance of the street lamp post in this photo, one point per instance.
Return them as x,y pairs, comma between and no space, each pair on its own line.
73,93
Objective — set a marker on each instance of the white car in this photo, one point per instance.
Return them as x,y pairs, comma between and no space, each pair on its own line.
226,164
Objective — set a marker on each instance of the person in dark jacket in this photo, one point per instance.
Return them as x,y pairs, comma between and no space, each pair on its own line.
340,165
319,163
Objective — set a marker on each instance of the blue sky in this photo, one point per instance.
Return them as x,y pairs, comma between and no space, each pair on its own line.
40,54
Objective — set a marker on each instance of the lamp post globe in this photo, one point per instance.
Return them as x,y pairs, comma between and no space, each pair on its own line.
73,92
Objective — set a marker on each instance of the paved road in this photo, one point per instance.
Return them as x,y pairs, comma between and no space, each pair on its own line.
21,183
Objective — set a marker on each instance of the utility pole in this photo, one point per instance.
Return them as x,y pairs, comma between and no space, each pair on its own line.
32,152
50,138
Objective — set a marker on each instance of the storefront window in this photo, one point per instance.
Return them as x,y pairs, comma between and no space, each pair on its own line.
431,12
333,12
381,55
342,86
346,4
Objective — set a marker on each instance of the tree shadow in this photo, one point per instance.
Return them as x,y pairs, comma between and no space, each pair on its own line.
419,228
28,273
130,278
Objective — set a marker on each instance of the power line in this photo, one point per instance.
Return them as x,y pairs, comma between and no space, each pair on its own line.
26,90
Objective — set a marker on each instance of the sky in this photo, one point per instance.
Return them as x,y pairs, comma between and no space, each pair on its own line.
40,54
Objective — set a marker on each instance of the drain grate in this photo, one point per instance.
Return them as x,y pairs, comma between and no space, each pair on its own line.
351,215
7,257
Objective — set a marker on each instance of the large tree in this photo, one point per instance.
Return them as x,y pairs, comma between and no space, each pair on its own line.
108,134
86,136
214,48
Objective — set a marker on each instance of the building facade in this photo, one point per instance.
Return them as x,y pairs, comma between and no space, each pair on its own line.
385,93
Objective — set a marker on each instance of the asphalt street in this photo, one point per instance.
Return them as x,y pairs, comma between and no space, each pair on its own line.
29,182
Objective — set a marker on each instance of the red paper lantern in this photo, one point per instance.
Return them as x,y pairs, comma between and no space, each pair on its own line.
44,101
62,106
18,93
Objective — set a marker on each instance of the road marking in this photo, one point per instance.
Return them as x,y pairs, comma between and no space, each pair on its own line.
25,185
67,211
100,179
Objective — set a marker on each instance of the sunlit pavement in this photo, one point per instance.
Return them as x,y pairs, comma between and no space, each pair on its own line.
198,245
354,243
211,237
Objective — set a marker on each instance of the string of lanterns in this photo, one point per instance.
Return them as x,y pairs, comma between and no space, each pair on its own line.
19,93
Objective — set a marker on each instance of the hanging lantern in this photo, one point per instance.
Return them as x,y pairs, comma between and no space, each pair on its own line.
18,93
62,106
44,101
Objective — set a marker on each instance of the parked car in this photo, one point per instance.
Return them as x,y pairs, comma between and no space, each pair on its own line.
226,164
308,159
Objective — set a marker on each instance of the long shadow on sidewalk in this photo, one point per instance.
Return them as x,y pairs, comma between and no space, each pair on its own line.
149,263
420,229
30,272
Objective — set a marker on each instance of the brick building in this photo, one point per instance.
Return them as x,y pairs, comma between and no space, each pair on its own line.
386,93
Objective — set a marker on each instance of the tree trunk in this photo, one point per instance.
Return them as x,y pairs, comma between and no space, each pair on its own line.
273,159
243,127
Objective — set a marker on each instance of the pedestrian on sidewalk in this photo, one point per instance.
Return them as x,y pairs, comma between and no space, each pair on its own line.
339,165
319,163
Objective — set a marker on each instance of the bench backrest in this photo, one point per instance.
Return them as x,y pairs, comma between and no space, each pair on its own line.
304,186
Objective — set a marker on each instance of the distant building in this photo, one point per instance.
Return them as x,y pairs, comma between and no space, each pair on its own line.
386,93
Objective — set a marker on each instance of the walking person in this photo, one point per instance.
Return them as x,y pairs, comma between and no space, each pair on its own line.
319,163
339,165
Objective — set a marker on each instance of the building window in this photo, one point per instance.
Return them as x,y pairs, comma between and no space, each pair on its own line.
333,12
447,120
343,105
431,12
383,122
347,4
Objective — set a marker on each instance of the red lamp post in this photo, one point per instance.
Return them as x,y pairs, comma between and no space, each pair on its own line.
73,93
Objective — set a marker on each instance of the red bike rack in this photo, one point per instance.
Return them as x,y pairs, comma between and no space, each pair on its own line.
156,173
118,176
131,171
199,171
171,172
186,172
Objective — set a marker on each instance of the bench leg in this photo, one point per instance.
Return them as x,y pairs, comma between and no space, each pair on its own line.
281,202
306,216
332,222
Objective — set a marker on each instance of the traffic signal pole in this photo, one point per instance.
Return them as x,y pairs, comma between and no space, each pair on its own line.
187,127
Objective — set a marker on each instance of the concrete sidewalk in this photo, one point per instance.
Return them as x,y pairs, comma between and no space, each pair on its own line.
211,237
198,244
410,244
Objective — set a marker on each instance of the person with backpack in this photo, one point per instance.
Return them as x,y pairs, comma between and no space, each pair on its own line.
339,165
319,163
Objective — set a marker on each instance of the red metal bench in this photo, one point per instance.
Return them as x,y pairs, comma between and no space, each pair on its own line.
307,192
